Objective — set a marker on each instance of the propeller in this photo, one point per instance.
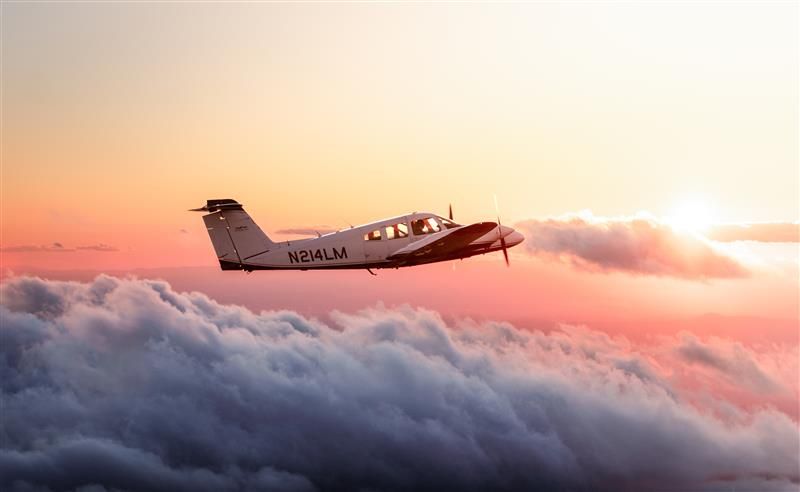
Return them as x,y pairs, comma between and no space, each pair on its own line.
500,232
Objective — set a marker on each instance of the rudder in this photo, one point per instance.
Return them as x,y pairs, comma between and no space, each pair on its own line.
234,234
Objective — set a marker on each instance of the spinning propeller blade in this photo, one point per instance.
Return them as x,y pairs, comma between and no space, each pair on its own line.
500,232
505,250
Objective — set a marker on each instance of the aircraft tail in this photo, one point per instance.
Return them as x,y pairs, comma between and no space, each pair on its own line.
235,236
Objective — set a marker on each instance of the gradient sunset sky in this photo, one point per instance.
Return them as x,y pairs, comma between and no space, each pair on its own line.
649,153
119,117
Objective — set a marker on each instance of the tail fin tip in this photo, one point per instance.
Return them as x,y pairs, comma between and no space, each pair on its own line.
218,204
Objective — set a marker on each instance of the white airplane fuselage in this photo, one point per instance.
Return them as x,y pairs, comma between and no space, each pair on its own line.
395,242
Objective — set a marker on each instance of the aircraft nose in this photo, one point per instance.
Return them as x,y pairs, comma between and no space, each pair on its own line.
505,230
514,238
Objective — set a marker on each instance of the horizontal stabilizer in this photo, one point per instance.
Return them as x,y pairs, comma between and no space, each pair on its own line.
221,204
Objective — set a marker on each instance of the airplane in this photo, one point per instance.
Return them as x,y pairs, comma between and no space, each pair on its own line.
404,241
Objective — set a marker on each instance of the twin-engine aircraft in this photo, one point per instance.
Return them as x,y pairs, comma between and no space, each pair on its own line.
403,241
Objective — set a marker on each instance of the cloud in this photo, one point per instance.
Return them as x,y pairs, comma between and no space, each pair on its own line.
638,245
127,384
306,231
97,247
57,247
774,232
737,364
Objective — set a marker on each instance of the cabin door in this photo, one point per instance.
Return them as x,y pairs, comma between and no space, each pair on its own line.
374,246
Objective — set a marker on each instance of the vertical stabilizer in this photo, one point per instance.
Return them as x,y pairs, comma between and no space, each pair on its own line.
235,236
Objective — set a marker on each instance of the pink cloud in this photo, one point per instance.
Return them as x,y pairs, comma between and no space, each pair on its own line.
97,247
638,245
57,247
769,232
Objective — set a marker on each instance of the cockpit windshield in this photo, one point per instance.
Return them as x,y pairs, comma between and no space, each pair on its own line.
448,224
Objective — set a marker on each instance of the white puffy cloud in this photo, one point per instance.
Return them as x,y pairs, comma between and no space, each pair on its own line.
126,384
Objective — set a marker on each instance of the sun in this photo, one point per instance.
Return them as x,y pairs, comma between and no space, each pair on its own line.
693,215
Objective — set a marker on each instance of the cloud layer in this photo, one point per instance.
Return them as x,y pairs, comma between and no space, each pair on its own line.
638,245
126,384
774,232
57,248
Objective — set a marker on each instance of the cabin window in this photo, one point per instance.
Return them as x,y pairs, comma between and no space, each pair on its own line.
373,236
425,226
396,231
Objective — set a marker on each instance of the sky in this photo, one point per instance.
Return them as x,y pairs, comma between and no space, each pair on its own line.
648,152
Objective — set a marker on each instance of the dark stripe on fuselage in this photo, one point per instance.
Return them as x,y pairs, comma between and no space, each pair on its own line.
232,265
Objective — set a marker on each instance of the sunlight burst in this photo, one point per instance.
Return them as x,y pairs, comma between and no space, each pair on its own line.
691,215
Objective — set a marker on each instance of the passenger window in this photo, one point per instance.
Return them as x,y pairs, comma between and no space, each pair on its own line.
425,226
396,231
418,227
373,236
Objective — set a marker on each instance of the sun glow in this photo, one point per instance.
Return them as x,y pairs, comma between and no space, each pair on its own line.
693,215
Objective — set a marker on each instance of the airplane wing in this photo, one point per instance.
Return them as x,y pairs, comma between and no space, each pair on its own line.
442,245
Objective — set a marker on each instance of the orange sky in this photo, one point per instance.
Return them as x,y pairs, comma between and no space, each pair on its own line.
116,118
649,152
